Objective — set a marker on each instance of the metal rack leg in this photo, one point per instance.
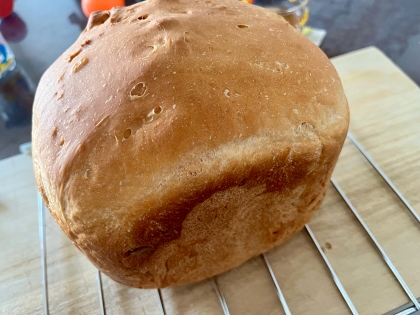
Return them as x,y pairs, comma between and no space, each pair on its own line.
161,304
220,296
42,242
100,292
378,246
276,284
384,176
333,274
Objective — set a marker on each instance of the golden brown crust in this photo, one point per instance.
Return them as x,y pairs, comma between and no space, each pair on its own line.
176,139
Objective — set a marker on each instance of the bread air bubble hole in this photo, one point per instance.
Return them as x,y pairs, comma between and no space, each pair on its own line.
242,26
97,18
138,91
157,110
101,19
127,133
140,252
153,47
243,182
143,17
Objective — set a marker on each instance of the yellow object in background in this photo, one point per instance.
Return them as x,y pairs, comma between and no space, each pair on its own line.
307,30
305,17
6,64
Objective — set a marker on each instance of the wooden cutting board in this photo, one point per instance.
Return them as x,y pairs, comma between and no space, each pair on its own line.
385,118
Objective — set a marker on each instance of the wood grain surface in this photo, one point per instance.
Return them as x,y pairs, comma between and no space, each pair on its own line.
385,115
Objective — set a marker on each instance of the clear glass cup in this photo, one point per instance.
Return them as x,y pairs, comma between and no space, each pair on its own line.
296,12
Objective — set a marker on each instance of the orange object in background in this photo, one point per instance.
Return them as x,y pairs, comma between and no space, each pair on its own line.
88,6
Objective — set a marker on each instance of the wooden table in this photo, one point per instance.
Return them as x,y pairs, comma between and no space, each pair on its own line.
385,108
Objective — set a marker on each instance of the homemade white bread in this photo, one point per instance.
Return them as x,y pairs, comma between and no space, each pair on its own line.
174,140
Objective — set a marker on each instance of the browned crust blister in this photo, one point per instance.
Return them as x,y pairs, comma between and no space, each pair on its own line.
176,139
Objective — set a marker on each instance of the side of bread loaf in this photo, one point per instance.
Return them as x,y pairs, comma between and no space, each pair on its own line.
176,139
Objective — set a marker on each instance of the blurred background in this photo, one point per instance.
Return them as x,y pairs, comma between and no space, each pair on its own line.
36,32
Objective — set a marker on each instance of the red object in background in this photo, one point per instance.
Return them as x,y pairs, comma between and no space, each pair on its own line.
6,7
88,6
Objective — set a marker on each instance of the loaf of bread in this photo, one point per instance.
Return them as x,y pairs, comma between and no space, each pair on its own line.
176,139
